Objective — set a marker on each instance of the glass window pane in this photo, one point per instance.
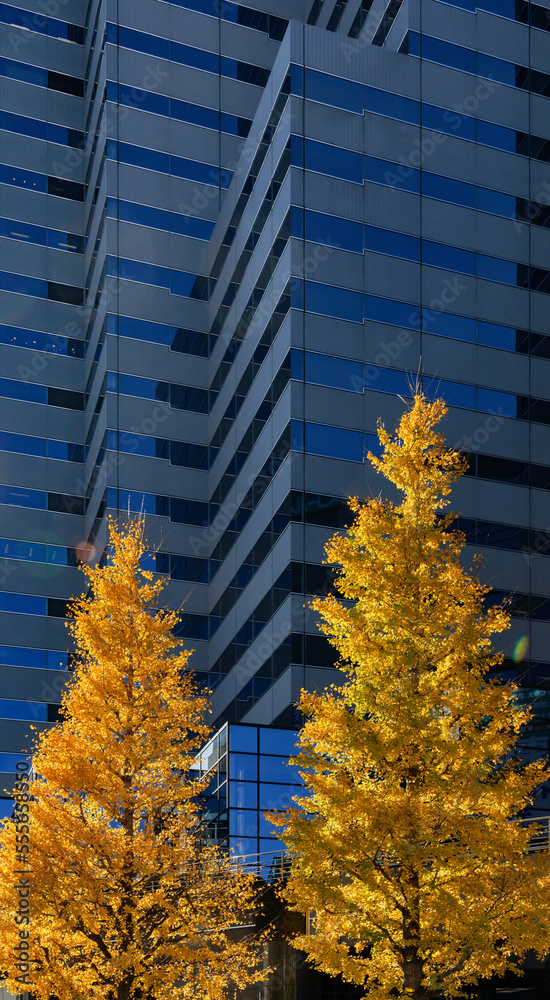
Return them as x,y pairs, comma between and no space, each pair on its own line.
391,105
243,739
198,58
20,656
140,156
186,225
155,333
397,175
497,136
334,91
243,823
333,442
24,72
149,274
278,741
23,604
391,312
194,113
182,283
435,186
156,104
242,847
18,497
340,373
394,244
442,120
243,767
448,54
278,770
388,380
492,401
243,795
9,762
458,394
327,229
27,710
12,389
451,258
493,335
334,161
496,269
330,301
267,829
496,202
23,443
447,325
496,69
141,42
276,796
143,215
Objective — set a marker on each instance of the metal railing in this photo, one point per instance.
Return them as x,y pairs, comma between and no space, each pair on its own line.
540,840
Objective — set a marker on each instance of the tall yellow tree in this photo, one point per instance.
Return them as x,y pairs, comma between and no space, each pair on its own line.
406,849
127,902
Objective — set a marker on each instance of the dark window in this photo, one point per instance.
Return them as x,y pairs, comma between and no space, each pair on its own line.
65,293
57,608
540,17
383,30
65,189
65,398
66,84
540,411
336,15
360,18
189,342
320,652
315,11
540,148
502,470
65,503
540,477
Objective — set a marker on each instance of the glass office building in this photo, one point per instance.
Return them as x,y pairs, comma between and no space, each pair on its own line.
233,234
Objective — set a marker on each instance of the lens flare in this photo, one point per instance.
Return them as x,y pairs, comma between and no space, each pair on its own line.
85,552
520,649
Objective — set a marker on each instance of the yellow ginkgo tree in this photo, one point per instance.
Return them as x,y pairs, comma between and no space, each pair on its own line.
407,850
127,901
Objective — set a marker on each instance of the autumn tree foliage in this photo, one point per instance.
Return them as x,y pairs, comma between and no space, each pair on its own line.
406,850
127,902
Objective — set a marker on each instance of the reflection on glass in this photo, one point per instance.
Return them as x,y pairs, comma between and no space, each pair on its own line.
243,767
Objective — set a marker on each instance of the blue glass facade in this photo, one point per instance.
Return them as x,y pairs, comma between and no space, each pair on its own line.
231,234
249,774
